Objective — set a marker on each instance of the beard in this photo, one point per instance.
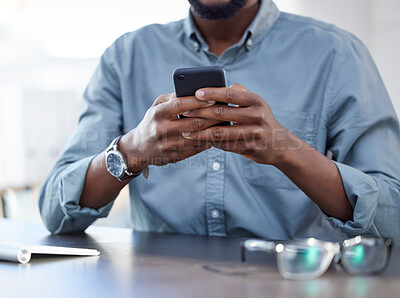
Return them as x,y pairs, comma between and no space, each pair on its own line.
218,11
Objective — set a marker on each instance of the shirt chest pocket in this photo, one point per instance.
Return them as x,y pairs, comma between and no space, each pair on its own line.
302,124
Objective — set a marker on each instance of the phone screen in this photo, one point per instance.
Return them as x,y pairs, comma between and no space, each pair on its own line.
188,80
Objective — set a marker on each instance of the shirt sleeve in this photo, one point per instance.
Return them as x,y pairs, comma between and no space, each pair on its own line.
364,137
100,122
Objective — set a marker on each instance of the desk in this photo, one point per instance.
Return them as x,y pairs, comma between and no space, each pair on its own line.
135,264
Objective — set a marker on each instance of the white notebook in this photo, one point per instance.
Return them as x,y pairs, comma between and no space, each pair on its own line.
22,253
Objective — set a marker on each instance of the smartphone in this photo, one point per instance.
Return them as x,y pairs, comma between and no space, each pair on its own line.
188,80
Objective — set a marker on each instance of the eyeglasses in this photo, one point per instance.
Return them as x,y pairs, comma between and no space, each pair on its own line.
310,258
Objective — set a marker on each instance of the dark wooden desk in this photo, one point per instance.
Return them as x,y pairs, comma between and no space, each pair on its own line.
164,265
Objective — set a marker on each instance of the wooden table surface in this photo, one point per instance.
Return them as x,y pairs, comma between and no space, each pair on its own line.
135,264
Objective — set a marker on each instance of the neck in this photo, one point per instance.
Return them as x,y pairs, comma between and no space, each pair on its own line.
221,34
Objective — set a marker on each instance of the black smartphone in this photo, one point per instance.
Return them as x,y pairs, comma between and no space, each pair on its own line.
188,80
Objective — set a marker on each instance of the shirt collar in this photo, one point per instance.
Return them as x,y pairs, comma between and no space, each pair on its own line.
265,19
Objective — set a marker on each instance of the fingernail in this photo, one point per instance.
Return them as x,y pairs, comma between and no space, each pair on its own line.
186,113
211,102
186,134
199,93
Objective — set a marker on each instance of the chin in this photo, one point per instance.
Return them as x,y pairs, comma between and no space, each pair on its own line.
214,2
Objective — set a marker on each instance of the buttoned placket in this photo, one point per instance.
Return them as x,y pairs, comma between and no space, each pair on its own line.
215,184
216,165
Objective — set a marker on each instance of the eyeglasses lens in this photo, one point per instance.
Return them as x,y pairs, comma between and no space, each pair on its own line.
367,257
302,262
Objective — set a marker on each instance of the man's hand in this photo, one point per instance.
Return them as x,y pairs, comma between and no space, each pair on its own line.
256,134
157,139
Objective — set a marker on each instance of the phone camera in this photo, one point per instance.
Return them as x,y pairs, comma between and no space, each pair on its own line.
181,77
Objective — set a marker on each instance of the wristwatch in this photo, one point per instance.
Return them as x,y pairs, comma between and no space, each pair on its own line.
117,166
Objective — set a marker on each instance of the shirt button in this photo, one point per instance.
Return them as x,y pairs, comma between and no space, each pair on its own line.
216,165
196,45
249,43
215,213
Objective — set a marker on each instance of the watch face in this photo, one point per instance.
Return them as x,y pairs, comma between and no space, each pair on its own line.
115,164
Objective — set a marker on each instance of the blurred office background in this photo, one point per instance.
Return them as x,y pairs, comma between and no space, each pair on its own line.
49,50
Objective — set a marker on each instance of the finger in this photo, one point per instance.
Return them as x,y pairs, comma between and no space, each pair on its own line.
163,98
240,115
178,105
178,144
192,124
231,95
225,133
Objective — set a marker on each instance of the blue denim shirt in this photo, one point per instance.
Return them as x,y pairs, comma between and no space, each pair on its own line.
321,84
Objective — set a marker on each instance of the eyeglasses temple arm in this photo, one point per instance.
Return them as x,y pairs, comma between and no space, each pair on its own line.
256,245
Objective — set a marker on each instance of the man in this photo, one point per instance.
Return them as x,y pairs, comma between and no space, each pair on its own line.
307,91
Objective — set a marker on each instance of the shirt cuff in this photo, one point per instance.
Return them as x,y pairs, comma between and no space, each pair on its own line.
71,186
362,193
